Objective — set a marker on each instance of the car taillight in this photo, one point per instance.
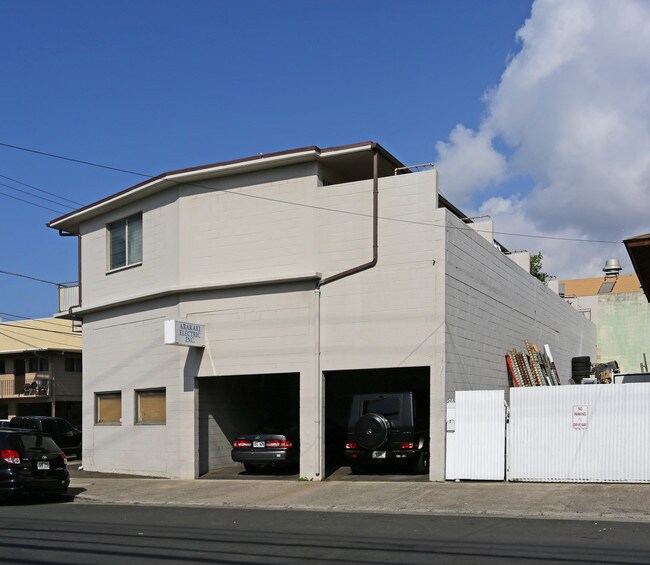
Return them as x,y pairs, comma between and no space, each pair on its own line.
65,458
241,443
408,445
278,443
351,445
10,456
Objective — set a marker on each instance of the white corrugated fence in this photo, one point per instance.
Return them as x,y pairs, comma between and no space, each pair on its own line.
582,433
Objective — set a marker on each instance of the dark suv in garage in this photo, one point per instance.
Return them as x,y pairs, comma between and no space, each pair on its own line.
385,428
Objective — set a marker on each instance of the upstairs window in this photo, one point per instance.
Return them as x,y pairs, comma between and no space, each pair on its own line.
38,365
125,242
72,364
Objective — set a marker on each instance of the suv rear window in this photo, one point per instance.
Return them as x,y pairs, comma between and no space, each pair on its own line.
383,406
37,443
29,443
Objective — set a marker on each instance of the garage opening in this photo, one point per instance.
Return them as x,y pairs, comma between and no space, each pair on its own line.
232,406
340,386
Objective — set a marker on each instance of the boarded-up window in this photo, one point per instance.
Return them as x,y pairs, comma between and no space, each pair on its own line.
151,406
108,407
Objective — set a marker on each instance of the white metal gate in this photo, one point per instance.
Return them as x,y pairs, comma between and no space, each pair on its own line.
590,433
476,436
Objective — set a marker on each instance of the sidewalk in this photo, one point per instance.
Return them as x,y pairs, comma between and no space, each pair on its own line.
523,500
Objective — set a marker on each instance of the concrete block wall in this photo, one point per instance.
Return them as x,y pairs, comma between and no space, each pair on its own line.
492,306
391,315
159,268
385,316
124,352
259,330
247,227
209,233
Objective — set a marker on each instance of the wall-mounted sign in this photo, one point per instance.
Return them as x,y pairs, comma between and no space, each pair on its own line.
580,417
184,333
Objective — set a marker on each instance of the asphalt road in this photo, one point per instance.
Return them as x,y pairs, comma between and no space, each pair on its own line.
36,532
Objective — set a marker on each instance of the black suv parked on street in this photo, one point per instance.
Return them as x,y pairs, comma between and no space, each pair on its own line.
64,434
30,462
385,428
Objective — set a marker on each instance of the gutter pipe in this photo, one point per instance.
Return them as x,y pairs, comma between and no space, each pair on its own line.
375,230
320,381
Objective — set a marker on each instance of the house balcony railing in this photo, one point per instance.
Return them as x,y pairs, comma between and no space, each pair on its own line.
68,297
32,384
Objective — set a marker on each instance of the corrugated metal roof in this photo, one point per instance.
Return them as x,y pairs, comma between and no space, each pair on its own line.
590,287
44,333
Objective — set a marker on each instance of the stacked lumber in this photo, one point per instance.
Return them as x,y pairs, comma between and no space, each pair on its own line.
531,367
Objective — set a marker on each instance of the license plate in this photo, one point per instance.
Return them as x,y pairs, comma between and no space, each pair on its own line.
258,444
43,465
379,455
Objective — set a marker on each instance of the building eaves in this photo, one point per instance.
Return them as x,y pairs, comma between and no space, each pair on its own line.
70,221
638,248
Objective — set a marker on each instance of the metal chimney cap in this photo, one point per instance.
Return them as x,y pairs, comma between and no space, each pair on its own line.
612,267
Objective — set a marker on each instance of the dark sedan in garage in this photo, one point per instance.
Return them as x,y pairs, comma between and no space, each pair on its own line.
272,444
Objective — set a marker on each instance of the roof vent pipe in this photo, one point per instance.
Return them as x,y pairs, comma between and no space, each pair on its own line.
612,268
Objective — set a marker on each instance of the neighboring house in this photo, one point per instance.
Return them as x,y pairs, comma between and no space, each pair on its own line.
618,307
40,369
312,274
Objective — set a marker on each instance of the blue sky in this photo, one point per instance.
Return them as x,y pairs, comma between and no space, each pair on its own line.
155,86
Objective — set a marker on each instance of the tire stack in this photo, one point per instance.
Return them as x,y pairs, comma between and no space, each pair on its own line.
580,368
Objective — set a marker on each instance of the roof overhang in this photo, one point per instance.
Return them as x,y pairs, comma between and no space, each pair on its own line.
638,248
353,160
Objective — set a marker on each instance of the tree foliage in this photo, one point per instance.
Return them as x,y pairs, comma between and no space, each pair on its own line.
536,267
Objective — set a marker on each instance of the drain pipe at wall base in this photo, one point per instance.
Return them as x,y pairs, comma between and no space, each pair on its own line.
320,381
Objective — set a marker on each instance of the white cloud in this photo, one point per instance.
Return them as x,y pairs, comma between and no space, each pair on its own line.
573,107
488,167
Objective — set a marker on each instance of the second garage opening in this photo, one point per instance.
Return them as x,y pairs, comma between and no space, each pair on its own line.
340,389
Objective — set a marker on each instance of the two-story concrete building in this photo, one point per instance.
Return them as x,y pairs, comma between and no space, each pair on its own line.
315,274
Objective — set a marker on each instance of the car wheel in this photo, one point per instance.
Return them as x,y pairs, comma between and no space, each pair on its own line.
358,468
251,468
421,463
371,430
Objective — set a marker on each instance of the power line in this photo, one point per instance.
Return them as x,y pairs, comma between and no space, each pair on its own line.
32,203
30,278
36,195
41,190
289,202
13,325
27,318
81,161
32,344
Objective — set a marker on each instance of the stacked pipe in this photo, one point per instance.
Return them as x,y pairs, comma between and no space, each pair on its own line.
532,367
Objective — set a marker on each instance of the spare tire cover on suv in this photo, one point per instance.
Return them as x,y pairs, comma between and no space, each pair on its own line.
371,431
